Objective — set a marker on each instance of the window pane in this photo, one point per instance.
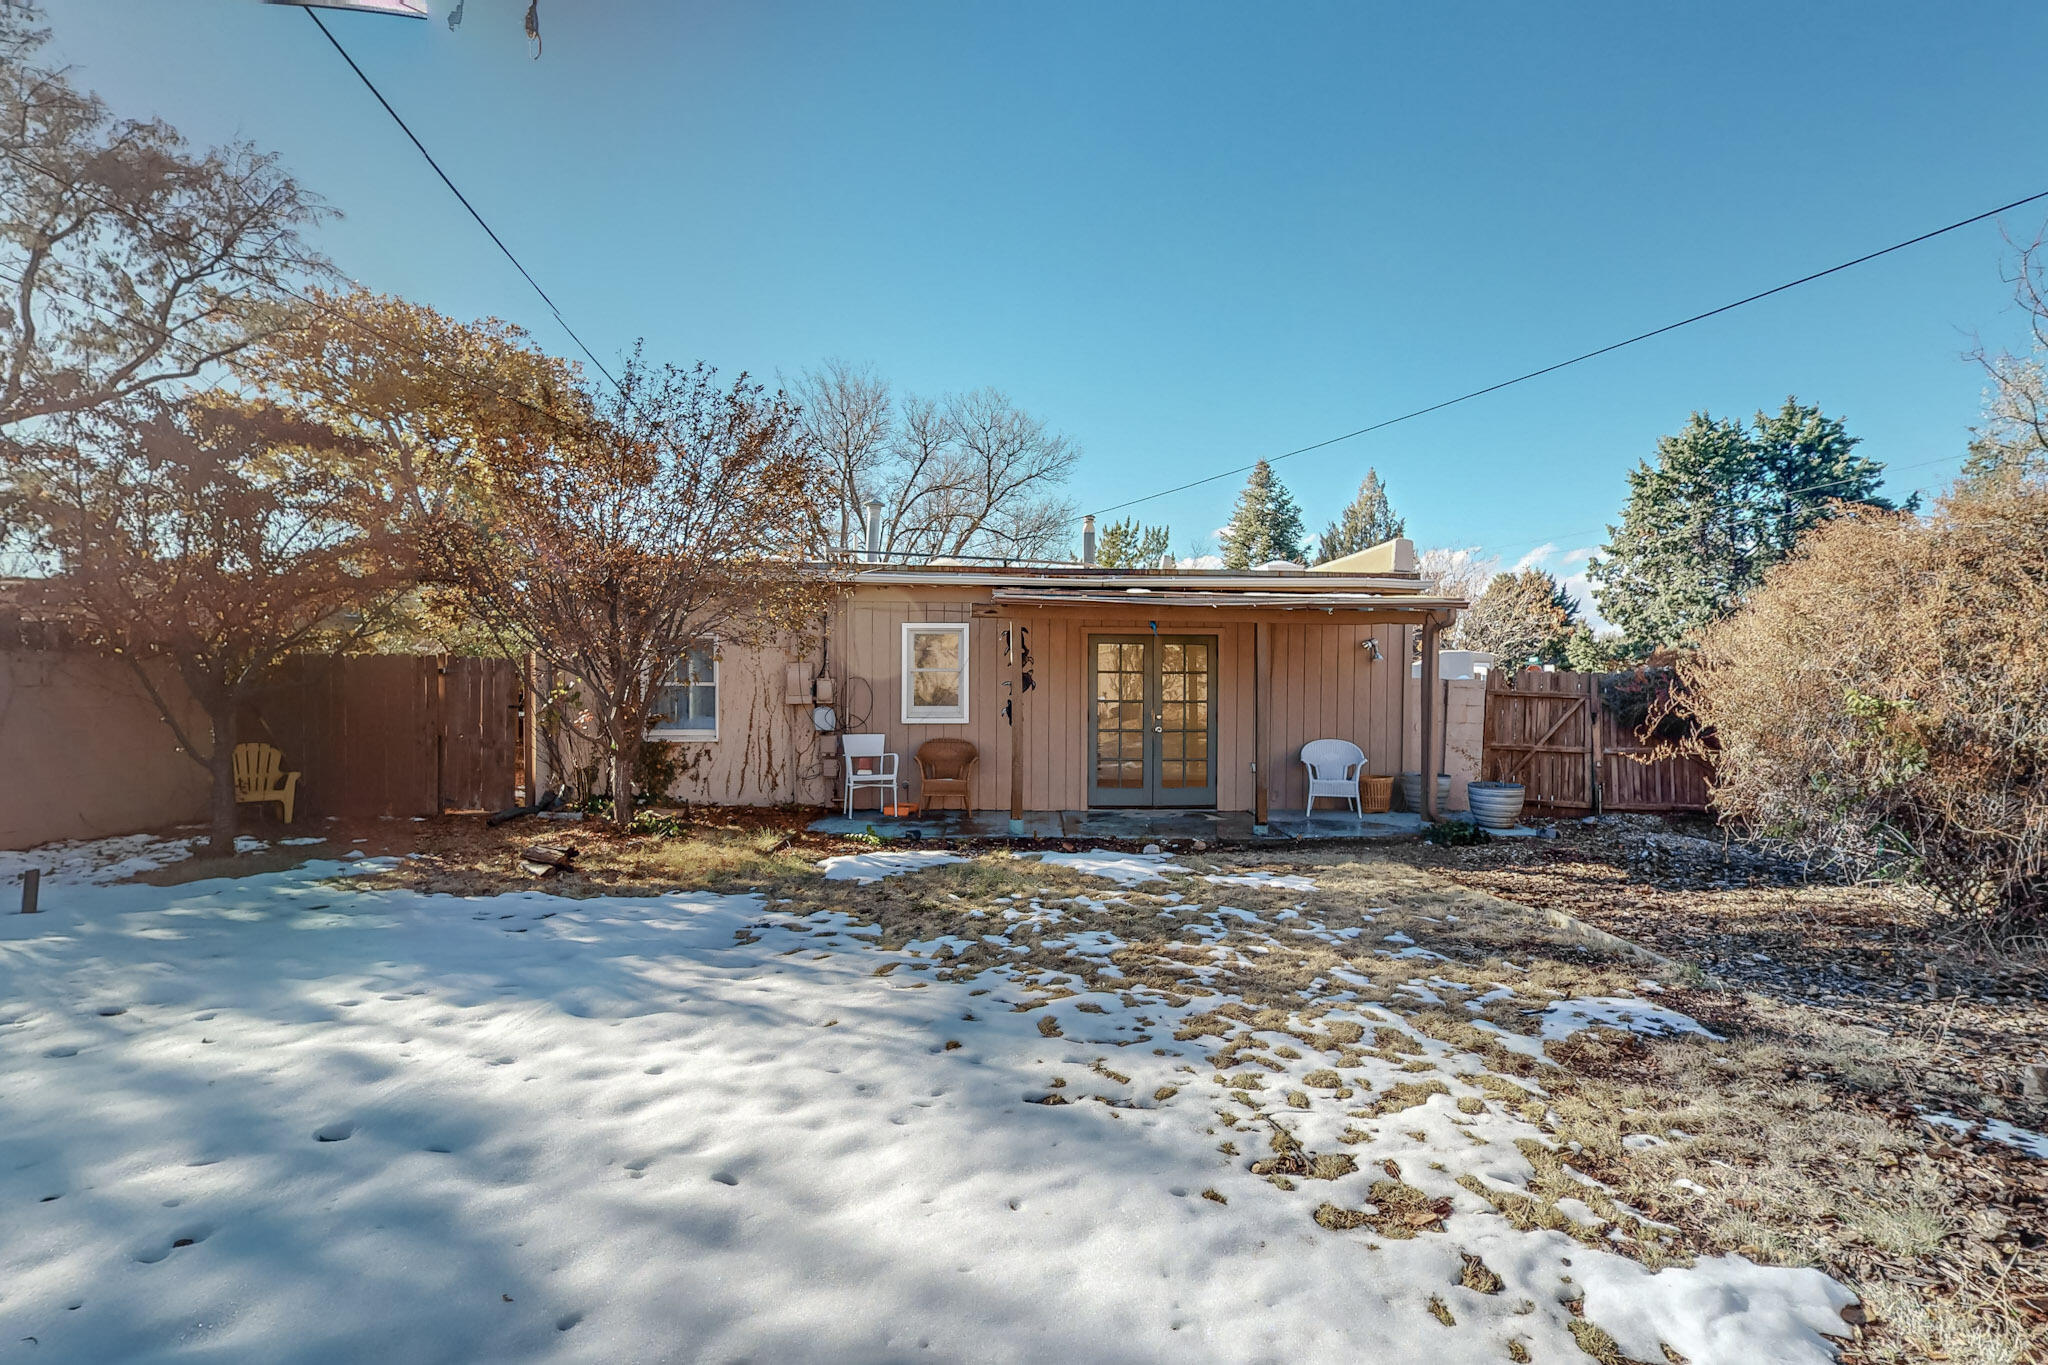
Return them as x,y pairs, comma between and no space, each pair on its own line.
1134,774
1197,743
1172,658
1170,743
1133,658
1198,685
935,689
1198,658
1105,658
934,649
1173,687
1169,774
1106,773
1198,774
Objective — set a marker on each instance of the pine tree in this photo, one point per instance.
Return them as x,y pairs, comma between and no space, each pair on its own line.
1721,504
1367,522
1130,544
1266,525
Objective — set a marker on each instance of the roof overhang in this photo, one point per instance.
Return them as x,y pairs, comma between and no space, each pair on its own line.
1146,598
1116,581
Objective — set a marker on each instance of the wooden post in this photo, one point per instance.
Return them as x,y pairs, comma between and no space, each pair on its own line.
1015,697
1262,682
1590,684
31,887
1428,732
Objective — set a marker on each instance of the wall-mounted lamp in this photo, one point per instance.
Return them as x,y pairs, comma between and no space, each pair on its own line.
1371,646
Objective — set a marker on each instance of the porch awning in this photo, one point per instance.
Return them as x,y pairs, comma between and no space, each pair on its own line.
1142,598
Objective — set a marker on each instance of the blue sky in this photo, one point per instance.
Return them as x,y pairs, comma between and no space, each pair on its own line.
1191,235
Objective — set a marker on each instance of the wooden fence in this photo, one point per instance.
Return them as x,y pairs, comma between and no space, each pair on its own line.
396,734
1550,732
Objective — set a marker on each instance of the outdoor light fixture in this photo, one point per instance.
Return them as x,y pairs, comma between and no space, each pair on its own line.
1371,646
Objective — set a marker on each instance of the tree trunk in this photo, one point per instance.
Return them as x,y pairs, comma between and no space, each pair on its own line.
222,809
622,789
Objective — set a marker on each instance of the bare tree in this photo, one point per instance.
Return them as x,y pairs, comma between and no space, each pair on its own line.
678,516
129,261
966,475
210,535
2012,443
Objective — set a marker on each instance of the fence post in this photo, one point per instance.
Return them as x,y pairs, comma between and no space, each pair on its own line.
31,887
1596,717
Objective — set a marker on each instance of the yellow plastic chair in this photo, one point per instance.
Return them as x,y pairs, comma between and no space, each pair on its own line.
259,777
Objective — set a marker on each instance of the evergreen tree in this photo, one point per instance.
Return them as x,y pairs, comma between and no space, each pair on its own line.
1266,525
1367,522
1521,618
1130,544
1720,505
1585,652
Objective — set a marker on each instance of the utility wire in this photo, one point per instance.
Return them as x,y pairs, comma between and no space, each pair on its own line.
462,198
1588,355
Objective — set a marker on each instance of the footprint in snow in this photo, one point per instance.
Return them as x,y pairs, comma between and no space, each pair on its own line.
341,1130
109,1011
184,1237
567,1320
66,1051
725,1177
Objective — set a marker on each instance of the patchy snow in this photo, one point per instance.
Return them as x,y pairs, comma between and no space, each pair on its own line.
1996,1130
289,1118
1563,1018
1125,869
85,862
872,867
1284,881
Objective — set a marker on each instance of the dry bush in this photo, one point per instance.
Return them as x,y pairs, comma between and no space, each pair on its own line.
1884,699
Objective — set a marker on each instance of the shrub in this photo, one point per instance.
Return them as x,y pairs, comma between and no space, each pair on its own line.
1883,698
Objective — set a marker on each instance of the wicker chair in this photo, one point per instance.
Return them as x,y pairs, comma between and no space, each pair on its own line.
945,768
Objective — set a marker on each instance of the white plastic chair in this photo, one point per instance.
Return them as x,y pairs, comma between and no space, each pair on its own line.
1333,767
867,766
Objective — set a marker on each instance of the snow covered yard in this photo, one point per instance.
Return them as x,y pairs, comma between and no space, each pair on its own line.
1000,1109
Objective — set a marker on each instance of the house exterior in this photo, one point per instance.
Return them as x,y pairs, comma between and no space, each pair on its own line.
1081,687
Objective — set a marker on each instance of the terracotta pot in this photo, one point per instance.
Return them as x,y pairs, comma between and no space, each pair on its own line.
1495,805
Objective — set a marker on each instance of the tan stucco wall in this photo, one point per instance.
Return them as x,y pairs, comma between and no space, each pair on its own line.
83,753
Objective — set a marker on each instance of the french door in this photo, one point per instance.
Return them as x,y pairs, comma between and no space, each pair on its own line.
1152,720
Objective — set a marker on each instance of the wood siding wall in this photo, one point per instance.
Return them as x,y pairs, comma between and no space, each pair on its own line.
1324,685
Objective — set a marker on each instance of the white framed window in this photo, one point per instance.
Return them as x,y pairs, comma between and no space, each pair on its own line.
935,673
686,699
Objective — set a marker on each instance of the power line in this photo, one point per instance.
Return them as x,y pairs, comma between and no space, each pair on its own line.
462,198
311,301
1567,536
1588,355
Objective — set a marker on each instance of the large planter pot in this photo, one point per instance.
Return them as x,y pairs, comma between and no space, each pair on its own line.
1495,805
1411,791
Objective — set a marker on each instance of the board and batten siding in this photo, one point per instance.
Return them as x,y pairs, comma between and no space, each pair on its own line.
1324,685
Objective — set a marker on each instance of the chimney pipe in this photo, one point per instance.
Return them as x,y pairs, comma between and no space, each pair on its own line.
1088,539
874,511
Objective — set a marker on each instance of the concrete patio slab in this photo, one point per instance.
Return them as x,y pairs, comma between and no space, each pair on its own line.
1214,826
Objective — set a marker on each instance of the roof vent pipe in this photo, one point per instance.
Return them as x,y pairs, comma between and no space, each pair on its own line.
1088,540
874,511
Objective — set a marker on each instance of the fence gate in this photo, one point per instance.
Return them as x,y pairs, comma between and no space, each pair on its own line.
1550,732
395,734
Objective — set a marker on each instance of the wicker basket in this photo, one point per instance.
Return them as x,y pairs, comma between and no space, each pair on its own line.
1375,794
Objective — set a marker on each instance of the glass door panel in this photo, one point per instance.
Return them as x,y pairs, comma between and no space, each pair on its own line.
1152,723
